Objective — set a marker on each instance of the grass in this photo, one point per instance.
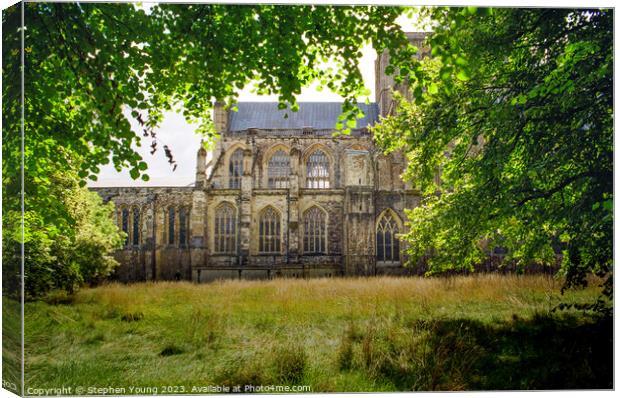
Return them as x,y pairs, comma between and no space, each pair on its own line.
376,334
11,345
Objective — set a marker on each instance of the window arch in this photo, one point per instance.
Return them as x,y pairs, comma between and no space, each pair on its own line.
388,247
235,169
269,231
125,224
278,170
315,231
183,226
171,225
225,234
135,239
317,170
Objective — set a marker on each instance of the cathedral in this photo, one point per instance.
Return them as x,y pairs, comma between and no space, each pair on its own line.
281,196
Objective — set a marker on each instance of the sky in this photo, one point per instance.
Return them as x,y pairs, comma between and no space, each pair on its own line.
184,142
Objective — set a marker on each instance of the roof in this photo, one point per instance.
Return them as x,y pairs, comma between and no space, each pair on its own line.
318,115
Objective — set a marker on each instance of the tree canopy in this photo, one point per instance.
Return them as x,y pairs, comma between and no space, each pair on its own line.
514,108
64,254
90,68
514,111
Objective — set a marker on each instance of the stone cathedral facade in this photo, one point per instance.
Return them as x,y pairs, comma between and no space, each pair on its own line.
280,197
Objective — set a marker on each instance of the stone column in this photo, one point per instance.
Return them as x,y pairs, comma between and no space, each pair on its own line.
201,166
149,241
160,242
198,229
293,205
220,117
359,213
245,207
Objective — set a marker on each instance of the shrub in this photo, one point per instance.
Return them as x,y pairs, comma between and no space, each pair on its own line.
61,255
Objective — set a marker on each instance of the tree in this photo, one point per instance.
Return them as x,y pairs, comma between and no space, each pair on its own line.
514,108
63,255
89,68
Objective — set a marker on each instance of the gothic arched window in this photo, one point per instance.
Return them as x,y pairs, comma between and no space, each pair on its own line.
125,225
269,231
136,227
183,224
225,229
315,231
317,170
278,170
171,226
235,169
387,244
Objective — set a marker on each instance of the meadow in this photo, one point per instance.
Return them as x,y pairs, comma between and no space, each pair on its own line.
363,334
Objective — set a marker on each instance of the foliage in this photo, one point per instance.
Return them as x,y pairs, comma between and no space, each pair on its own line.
90,68
62,256
514,108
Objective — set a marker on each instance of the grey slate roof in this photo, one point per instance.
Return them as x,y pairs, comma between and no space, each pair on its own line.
318,115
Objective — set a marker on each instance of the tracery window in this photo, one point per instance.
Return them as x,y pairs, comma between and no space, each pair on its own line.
278,170
136,226
235,168
387,244
225,229
183,221
314,231
171,226
269,231
125,225
317,170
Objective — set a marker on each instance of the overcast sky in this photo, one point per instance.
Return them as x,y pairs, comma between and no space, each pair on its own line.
184,142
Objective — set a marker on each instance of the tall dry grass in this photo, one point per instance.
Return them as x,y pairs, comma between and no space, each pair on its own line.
335,334
361,296
475,287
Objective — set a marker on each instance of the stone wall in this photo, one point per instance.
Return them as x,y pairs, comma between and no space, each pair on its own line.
362,184
154,256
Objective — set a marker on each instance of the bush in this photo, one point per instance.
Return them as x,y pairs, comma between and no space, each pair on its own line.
63,250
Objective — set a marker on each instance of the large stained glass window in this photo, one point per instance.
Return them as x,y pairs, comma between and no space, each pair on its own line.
314,231
278,170
269,231
387,244
136,227
183,227
235,169
171,226
125,225
225,233
317,170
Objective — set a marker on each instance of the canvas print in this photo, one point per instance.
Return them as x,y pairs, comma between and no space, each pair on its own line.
297,198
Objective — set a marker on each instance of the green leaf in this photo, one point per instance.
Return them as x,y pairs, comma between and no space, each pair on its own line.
433,89
463,75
